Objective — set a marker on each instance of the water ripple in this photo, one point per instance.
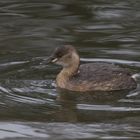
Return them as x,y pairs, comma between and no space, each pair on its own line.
106,108
119,61
100,30
23,91
17,130
57,131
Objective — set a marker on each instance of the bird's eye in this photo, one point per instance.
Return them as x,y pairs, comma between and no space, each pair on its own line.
59,54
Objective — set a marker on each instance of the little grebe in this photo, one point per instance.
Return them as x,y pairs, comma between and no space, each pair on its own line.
90,76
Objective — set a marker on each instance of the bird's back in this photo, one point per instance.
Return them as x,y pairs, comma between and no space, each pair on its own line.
101,77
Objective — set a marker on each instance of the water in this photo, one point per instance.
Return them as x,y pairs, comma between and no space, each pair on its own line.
30,106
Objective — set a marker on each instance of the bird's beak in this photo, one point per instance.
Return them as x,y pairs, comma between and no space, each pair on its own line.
50,59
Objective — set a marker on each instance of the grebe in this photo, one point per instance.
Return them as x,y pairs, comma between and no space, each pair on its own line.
88,77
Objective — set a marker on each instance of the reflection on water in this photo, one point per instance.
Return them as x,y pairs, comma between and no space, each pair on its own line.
30,106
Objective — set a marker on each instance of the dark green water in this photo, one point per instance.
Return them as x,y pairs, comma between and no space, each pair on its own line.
101,30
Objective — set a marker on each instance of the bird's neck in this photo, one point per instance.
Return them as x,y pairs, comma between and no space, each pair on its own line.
68,72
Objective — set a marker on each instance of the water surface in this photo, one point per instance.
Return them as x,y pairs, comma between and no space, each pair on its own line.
30,106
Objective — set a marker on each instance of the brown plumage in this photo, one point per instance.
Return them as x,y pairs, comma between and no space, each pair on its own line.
90,76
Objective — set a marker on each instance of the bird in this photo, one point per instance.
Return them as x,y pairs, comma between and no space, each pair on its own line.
97,76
